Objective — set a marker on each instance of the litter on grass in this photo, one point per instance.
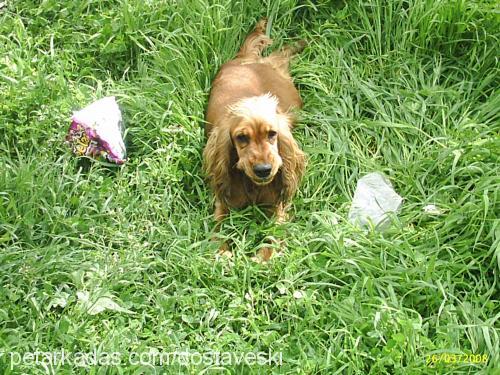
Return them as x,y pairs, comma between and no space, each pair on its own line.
432,209
97,131
374,201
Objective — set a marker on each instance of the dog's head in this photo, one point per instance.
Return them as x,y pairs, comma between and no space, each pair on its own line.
255,139
254,131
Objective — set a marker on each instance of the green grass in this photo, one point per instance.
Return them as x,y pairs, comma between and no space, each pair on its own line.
409,88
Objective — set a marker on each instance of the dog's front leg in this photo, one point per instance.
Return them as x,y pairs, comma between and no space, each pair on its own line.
264,254
221,211
280,213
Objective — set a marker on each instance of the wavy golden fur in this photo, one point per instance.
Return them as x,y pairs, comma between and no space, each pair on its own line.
251,156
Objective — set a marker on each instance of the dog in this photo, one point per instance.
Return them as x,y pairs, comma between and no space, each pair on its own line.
251,156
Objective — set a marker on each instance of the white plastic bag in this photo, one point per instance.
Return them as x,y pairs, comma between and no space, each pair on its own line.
373,200
96,131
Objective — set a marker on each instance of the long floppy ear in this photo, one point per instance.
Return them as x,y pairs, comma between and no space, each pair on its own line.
294,160
218,159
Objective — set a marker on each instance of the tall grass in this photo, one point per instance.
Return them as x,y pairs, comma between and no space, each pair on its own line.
409,88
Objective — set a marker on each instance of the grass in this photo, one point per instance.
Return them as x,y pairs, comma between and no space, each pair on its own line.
409,88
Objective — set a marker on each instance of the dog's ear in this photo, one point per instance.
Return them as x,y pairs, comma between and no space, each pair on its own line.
294,160
219,157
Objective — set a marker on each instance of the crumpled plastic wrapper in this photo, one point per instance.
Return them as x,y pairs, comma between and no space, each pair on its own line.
374,200
97,131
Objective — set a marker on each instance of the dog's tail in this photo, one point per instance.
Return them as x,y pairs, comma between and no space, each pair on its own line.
256,42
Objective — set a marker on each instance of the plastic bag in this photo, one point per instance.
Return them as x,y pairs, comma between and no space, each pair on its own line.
374,200
97,131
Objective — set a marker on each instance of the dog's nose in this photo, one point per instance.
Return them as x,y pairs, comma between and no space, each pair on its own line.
262,170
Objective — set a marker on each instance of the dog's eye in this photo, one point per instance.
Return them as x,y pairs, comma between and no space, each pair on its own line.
242,138
272,134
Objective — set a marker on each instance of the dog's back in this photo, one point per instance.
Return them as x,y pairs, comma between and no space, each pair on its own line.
236,81
249,74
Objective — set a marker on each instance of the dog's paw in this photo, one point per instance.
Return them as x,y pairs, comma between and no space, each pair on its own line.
224,252
264,255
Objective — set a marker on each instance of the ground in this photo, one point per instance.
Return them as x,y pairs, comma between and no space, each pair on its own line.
98,259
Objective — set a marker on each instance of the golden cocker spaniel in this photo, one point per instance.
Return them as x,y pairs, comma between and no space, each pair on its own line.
251,156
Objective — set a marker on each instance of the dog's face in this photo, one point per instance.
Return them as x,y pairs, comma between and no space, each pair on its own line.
254,137
255,134
256,143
